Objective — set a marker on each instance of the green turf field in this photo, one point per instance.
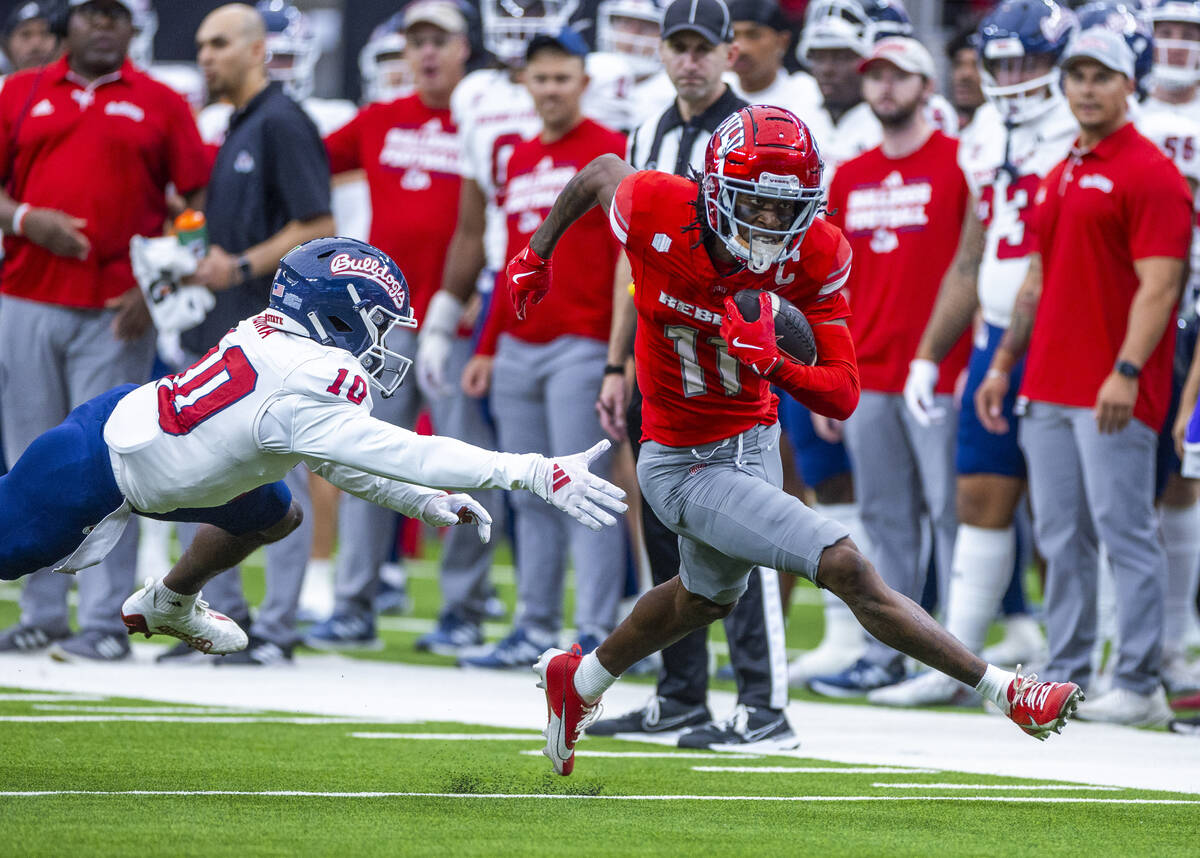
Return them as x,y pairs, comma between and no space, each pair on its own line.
260,783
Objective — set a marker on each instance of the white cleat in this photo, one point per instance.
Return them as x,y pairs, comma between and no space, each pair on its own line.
928,689
830,658
1023,643
1122,706
154,609
1180,676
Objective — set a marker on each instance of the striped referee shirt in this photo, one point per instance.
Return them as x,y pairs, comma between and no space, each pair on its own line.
669,144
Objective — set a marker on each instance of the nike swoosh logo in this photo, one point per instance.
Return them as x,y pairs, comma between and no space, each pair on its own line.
517,277
737,342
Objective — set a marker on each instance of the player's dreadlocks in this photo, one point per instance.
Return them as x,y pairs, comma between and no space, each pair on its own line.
699,222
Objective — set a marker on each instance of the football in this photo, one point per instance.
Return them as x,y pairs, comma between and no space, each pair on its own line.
792,331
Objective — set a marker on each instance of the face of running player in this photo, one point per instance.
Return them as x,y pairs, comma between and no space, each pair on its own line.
695,65
438,59
760,54
1097,96
98,35
836,73
556,80
965,92
894,95
230,46
31,44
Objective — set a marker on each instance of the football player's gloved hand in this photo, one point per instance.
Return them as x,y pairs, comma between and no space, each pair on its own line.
753,343
566,482
159,264
528,279
444,510
438,329
918,392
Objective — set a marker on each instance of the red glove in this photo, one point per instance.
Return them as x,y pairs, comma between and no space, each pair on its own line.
753,343
528,279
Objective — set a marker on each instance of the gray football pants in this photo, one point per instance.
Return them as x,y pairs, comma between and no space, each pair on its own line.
1087,488
905,480
275,619
366,532
544,401
53,359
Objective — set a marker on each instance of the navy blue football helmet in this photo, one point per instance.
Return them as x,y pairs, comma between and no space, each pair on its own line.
292,47
1176,50
1020,45
347,294
1124,18
853,24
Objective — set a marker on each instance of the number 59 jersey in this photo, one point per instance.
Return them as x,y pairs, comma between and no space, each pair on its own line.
1004,199
693,390
243,415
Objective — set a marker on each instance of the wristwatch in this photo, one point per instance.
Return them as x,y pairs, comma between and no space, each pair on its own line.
1127,369
243,267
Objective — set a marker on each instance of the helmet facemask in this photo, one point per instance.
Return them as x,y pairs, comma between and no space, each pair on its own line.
735,200
509,25
1176,57
624,27
1031,83
385,367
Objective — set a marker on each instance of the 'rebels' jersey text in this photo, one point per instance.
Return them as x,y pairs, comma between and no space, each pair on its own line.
1004,201
693,390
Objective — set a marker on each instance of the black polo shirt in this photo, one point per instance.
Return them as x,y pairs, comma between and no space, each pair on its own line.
271,169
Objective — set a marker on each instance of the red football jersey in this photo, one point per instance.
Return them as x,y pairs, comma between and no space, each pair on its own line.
1098,212
580,299
902,217
410,155
694,391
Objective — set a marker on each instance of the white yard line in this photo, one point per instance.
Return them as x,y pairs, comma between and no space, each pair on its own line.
34,697
178,719
652,755
456,737
141,710
552,796
814,770
382,693
1037,787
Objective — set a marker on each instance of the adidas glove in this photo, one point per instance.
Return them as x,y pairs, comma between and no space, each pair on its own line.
566,483
752,343
528,279
444,510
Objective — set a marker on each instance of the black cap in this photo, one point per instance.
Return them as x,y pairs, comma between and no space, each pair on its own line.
709,18
765,12
565,39
28,11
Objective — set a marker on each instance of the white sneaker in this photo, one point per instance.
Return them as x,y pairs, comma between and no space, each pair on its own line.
1179,675
1122,706
827,659
155,609
928,689
1023,643
316,592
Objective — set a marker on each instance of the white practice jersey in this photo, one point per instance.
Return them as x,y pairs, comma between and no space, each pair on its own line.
493,113
184,78
651,97
349,200
1190,109
264,400
1004,203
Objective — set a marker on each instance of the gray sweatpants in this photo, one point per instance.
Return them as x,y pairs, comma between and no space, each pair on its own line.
905,480
366,532
544,401
53,359
1087,488
275,619
726,502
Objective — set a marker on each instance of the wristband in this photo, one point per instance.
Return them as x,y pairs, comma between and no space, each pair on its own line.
1128,369
614,369
996,373
244,270
18,216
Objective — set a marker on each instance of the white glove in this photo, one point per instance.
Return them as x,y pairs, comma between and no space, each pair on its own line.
918,392
438,330
444,510
159,264
567,484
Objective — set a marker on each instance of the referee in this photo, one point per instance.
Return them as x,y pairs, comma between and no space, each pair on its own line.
697,49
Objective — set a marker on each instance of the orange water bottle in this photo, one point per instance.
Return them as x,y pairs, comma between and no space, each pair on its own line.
192,231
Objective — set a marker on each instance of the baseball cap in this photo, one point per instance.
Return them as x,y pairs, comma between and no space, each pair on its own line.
709,18
30,11
564,39
1103,45
71,4
440,13
765,12
904,53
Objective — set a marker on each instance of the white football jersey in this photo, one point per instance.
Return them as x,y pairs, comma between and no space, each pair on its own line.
651,97
1004,203
799,94
185,78
350,201
608,98
264,400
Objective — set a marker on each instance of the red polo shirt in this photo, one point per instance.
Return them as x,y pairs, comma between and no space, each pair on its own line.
1097,213
104,152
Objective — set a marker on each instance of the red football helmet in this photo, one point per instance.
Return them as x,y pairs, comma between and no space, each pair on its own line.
758,155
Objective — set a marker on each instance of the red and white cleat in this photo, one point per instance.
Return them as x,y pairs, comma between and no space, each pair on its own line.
1041,708
156,610
566,713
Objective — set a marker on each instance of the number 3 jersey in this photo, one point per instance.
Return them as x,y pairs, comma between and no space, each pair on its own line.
693,390
1004,197
260,402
